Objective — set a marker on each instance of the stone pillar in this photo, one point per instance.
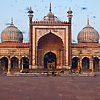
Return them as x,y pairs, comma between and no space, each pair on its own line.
91,64
22,65
81,63
9,67
61,59
19,64
92,68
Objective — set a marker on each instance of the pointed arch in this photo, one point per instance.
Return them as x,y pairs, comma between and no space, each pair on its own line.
85,63
25,62
14,63
4,63
96,63
75,62
50,60
50,41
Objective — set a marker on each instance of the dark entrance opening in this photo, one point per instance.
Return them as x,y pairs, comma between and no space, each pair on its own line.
85,63
96,63
50,60
14,63
25,62
4,63
75,62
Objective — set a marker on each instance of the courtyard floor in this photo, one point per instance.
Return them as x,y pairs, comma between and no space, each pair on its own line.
49,88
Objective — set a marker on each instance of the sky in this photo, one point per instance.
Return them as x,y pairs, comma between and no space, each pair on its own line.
17,9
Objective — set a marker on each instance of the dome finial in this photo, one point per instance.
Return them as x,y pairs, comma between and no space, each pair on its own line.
30,11
88,21
50,7
12,21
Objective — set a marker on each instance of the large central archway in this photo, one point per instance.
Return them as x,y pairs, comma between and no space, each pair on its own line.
50,60
49,43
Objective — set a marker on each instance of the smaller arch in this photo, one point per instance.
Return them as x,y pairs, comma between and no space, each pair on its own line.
14,63
4,63
75,61
96,63
86,57
75,56
25,62
85,63
49,60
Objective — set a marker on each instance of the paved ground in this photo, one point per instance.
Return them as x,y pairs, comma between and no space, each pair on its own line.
50,88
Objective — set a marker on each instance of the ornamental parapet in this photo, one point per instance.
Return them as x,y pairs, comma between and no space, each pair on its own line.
14,45
85,45
50,22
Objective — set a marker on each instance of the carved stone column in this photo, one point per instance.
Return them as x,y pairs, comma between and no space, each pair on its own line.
91,64
9,67
19,64
81,63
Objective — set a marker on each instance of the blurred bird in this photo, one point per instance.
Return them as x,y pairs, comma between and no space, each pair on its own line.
84,8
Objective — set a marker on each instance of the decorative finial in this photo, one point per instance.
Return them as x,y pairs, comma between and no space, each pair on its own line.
69,11
30,11
50,7
12,21
88,21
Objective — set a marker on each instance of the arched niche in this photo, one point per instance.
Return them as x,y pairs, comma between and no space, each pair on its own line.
4,63
25,63
85,63
75,62
50,60
50,42
14,63
96,63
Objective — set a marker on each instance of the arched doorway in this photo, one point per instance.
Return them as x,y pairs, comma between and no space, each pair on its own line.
25,62
75,62
85,63
14,63
96,63
50,60
4,63
49,43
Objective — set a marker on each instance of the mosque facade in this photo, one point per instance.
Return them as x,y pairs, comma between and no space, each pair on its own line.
49,45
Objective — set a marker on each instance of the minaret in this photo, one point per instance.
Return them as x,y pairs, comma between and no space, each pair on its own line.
69,38
30,36
70,15
30,23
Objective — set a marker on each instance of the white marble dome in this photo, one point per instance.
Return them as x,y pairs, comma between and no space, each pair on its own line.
11,34
88,35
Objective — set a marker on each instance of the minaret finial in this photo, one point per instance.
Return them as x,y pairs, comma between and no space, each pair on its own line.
50,7
88,21
12,21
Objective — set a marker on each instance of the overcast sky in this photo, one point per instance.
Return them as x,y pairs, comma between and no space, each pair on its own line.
82,9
